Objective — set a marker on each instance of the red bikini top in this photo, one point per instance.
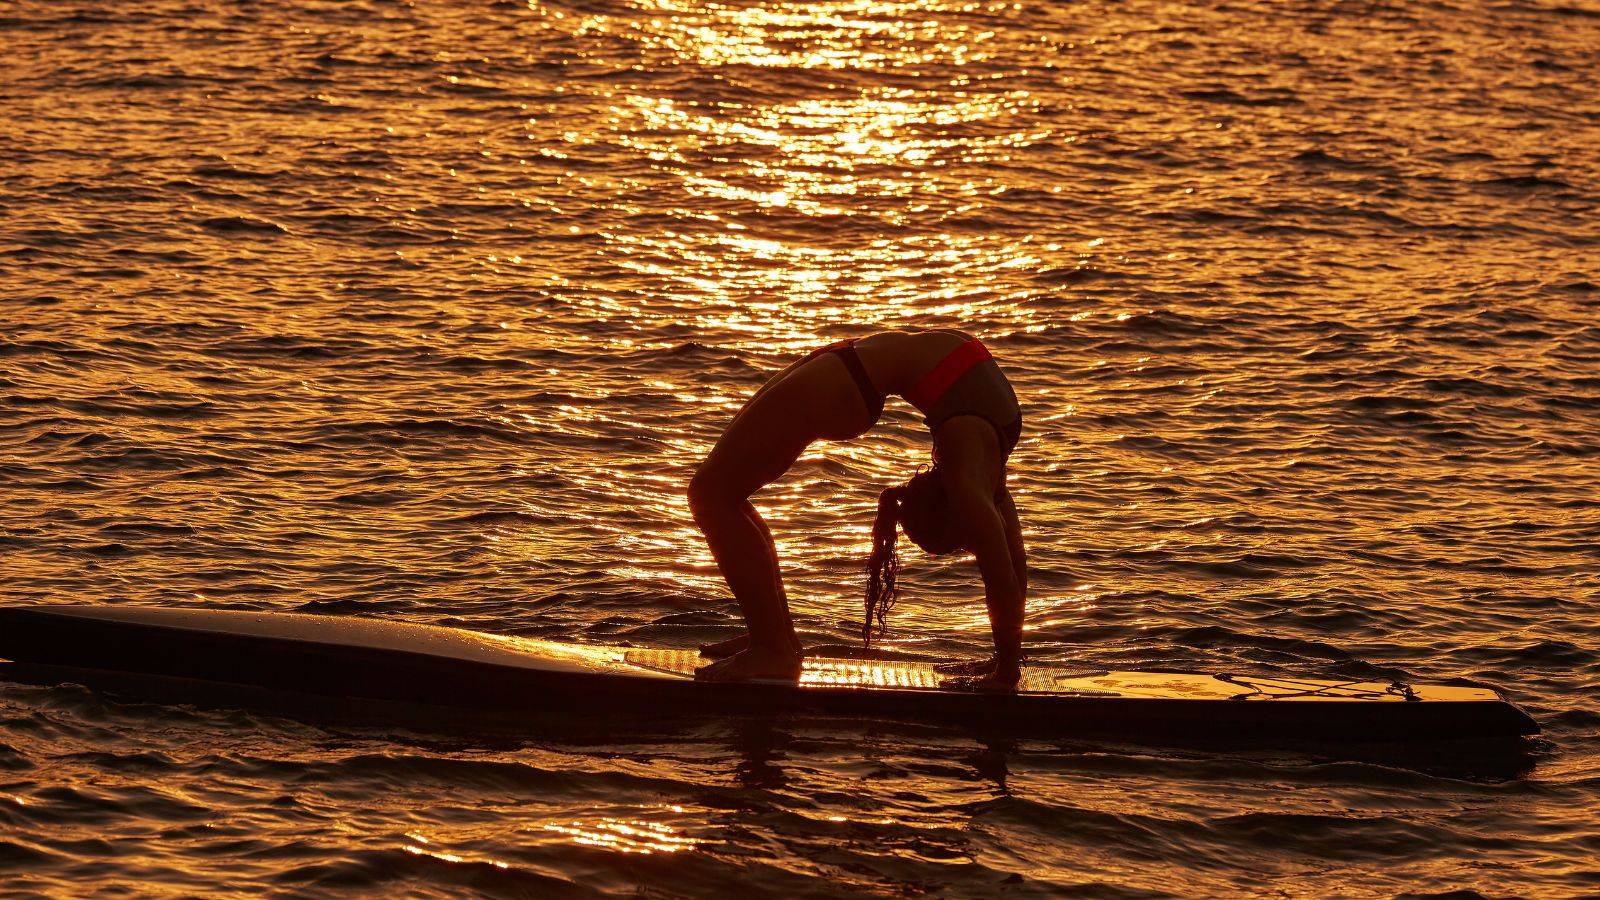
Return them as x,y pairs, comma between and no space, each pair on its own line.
927,391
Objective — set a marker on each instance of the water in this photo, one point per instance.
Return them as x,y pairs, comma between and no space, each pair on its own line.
427,311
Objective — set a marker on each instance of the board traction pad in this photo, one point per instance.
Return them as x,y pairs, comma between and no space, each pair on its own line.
820,672
865,673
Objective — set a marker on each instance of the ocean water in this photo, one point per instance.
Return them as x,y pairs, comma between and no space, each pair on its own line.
427,311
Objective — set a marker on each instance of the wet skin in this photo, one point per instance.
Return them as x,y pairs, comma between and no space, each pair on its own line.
816,399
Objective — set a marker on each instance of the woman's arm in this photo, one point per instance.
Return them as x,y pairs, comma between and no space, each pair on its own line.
990,540
1019,553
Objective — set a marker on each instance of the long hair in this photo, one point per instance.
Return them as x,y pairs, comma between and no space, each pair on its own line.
883,564
920,508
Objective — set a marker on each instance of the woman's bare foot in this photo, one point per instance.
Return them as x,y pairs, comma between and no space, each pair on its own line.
969,667
725,648
752,662
729,647
996,679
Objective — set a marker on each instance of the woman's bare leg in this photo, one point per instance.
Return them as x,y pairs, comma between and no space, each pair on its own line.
745,557
731,646
777,576
743,549
743,642
811,399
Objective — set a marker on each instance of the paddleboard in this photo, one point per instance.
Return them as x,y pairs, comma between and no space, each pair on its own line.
371,659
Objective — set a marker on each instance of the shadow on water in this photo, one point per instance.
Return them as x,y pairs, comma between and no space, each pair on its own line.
759,744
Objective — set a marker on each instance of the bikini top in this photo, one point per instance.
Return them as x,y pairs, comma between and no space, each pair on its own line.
968,382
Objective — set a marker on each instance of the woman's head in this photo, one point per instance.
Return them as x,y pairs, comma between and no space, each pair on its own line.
921,508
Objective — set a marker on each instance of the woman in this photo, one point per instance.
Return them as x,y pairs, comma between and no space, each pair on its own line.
837,393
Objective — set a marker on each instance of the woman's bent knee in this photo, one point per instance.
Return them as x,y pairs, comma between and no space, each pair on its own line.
707,494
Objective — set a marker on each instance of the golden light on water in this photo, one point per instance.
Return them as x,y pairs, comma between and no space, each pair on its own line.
616,833
887,154
429,311
751,184
868,34
623,835
421,846
740,261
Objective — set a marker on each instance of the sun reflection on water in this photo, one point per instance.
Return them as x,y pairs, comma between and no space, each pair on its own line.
625,835
445,856
855,34
741,256
788,218
759,252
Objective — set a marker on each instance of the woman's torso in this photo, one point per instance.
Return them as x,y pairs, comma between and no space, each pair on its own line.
901,362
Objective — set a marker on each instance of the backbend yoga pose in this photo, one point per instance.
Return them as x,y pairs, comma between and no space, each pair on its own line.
836,393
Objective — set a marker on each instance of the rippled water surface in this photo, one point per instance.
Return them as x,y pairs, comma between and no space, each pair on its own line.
427,311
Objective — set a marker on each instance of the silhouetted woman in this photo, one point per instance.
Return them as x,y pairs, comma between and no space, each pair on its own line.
836,393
